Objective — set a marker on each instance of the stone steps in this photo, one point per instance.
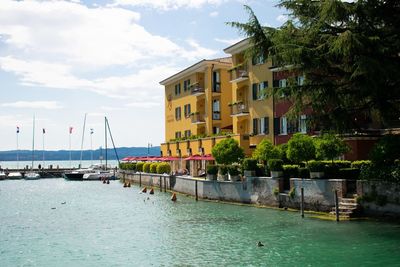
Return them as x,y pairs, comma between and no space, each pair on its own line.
348,208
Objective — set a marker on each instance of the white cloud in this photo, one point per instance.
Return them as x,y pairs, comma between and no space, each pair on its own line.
214,14
144,104
169,4
282,18
107,108
228,41
33,104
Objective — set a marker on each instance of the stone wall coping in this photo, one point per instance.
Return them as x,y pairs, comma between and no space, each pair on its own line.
309,179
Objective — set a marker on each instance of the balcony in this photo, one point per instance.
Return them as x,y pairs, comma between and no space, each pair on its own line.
239,73
196,89
216,115
197,118
239,109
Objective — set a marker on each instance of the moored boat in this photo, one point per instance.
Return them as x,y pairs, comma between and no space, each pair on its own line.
14,175
32,176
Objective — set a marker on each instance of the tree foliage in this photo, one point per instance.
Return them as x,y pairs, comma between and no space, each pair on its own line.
227,151
349,53
330,146
265,151
301,148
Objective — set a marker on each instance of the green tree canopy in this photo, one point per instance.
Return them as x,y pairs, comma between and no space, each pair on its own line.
227,151
301,148
265,151
330,146
348,52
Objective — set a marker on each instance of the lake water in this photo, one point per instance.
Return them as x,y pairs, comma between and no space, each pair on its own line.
108,225
55,163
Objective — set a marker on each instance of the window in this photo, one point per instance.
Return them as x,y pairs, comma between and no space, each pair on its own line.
282,83
186,85
261,125
178,135
259,59
300,80
258,89
283,124
188,133
216,110
303,124
216,81
177,89
186,110
216,130
178,113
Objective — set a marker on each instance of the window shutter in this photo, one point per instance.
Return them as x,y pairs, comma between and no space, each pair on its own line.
266,125
255,124
265,84
254,91
275,83
277,126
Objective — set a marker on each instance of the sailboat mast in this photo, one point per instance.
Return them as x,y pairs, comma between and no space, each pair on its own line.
105,135
83,137
33,141
112,140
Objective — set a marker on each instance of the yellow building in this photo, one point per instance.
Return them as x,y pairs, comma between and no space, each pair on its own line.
251,112
213,97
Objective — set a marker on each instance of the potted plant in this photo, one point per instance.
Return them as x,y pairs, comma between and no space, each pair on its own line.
222,173
212,171
249,167
233,173
276,167
317,168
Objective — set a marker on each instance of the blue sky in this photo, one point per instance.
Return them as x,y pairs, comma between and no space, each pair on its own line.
62,59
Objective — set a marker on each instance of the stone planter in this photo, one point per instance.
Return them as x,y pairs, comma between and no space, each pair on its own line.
234,178
276,174
222,177
314,175
211,177
249,173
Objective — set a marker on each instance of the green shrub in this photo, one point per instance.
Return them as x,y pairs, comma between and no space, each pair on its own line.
276,191
212,169
330,146
265,151
316,166
153,167
122,166
233,170
163,167
331,171
386,151
360,163
349,173
139,166
223,169
275,165
249,164
291,171
301,148
304,173
227,151
260,170
146,167
292,192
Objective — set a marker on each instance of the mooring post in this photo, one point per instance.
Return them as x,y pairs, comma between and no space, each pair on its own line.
195,188
140,179
336,206
302,202
165,184
160,184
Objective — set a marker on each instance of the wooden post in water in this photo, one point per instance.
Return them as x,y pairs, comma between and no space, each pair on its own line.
336,206
197,197
165,184
140,179
160,184
302,203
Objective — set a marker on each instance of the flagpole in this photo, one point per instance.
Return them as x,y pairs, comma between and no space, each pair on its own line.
43,145
91,147
33,141
17,148
70,164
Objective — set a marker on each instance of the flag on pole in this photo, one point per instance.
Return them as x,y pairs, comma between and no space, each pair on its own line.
44,130
70,129
91,131
17,129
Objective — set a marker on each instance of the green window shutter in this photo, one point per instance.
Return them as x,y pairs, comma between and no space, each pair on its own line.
254,91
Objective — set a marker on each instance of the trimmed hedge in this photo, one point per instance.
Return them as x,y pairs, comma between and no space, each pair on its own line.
212,169
146,167
304,173
358,164
223,169
139,166
316,166
341,164
260,171
163,167
291,171
275,165
349,173
249,164
153,167
233,170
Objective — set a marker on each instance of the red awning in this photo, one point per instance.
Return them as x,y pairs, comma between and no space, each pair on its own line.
199,157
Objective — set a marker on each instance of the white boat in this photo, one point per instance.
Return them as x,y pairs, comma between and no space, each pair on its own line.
98,175
2,175
79,173
14,175
32,176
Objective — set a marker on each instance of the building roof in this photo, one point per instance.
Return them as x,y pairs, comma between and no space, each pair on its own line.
238,47
199,66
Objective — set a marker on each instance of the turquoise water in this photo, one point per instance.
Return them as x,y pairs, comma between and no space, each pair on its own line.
108,225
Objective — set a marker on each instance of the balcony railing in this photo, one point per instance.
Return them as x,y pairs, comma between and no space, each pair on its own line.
196,89
239,109
216,115
239,73
197,118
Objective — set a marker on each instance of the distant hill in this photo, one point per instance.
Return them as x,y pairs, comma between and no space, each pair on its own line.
76,154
